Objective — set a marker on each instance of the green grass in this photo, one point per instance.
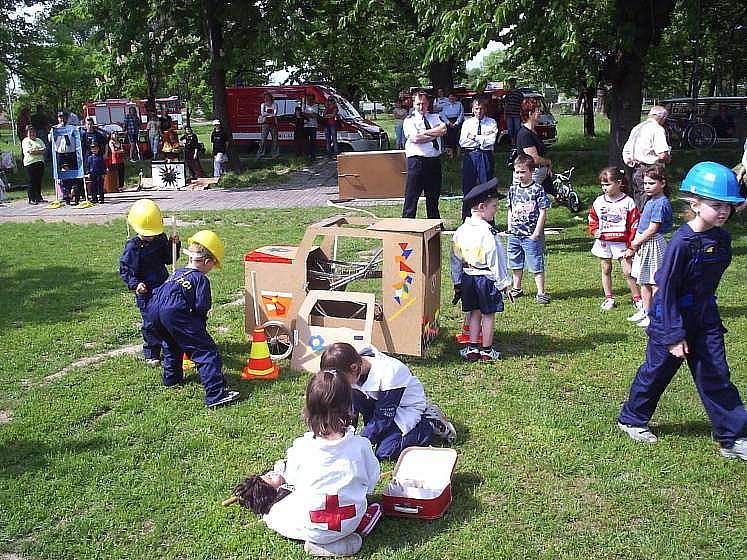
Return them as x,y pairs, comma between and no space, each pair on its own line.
105,463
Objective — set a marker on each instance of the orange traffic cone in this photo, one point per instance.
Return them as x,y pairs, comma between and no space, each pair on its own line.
186,362
260,365
463,337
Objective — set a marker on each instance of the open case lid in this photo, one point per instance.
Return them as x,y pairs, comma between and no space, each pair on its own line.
405,225
433,465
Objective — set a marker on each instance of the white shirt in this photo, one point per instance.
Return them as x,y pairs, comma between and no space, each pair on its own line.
476,244
438,104
646,141
483,141
268,113
323,471
414,125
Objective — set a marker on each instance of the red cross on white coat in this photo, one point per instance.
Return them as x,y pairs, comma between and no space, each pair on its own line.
332,514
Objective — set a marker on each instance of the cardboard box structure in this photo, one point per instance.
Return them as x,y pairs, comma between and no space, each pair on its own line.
397,261
371,174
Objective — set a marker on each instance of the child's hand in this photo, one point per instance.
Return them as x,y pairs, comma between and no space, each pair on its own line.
679,350
629,253
141,289
535,236
597,234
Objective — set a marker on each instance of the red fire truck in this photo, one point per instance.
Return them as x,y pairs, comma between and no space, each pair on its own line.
354,133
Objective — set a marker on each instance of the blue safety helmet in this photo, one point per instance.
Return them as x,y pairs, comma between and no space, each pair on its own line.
714,181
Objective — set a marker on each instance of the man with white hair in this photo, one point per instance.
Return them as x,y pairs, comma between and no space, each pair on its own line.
646,145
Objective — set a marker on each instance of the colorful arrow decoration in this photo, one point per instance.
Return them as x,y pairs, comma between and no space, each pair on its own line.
406,275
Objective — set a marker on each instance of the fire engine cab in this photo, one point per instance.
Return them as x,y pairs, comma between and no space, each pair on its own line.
354,133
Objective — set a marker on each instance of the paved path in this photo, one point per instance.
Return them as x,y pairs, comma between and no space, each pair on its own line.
312,186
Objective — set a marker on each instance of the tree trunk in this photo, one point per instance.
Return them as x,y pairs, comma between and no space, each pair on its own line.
218,77
589,129
442,74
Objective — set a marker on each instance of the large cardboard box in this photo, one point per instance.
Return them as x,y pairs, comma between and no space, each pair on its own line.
371,174
398,260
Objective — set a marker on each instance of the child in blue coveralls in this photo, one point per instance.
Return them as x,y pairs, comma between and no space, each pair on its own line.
527,212
478,270
142,266
390,398
96,172
685,322
178,312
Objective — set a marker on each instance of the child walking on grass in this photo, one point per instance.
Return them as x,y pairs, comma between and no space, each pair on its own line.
527,212
478,270
331,470
613,221
142,266
685,321
390,398
178,312
648,246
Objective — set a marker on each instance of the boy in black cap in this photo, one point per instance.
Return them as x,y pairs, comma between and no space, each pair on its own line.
478,270
96,172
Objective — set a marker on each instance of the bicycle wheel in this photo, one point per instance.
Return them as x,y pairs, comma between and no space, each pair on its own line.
574,203
279,340
701,135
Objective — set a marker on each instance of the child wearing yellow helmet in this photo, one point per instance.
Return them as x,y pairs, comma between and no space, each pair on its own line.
178,312
142,266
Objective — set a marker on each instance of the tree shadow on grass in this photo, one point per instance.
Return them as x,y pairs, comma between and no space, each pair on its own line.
398,533
732,311
693,429
22,455
53,294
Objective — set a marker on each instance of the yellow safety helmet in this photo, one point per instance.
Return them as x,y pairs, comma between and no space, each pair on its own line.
145,217
211,242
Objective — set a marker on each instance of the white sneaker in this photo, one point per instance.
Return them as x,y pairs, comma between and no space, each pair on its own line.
638,433
346,546
469,352
645,322
607,304
637,316
441,426
738,451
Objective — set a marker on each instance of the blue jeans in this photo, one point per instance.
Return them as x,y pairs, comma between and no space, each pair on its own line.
514,125
330,135
523,251
399,135
153,146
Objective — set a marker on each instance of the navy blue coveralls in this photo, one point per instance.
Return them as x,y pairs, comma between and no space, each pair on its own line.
684,308
178,312
145,261
379,426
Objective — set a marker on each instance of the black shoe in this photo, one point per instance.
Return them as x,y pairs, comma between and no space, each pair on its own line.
41,201
34,202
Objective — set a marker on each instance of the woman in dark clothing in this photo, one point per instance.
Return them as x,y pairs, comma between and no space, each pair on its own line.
191,153
528,142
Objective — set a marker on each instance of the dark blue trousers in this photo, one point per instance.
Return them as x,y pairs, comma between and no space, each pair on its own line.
394,442
477,168
707,363
183,333
151,340
423,176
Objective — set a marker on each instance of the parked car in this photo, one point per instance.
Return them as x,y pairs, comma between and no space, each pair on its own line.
354,133
698,122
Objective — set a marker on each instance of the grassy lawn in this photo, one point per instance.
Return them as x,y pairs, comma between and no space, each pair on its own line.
104,463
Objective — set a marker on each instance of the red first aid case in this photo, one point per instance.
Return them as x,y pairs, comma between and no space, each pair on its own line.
421,483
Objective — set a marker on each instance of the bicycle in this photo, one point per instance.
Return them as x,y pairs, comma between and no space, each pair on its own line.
563,191
688,133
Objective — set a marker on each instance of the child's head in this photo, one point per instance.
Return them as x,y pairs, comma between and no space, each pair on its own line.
523,167
145,218
712,190
259,493
343,358
655,180
613,181
329,403
483,200
205,250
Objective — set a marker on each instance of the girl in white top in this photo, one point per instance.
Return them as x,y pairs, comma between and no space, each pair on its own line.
332,470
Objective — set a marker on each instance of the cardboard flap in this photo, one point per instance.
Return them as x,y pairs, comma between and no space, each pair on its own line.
311,339
405,225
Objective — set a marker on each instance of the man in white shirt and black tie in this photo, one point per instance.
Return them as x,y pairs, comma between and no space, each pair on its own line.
477,140
423,132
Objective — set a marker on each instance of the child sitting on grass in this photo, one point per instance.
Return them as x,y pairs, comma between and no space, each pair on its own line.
331,470
142,266
527,212
478,270
613,221
391,399
685,321
178,312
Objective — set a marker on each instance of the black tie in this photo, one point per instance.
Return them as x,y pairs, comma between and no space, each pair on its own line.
479,127
428,127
